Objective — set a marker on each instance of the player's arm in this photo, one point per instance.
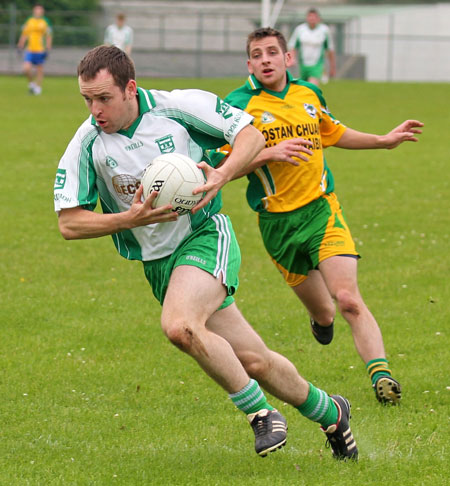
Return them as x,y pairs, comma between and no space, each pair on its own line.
289,151
331,63
49,40
247,144
22,40
78,223
405,132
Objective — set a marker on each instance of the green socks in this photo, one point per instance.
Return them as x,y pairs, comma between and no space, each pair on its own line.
319,407
377,368
251,398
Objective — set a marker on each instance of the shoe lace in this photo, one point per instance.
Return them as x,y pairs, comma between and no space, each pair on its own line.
261,426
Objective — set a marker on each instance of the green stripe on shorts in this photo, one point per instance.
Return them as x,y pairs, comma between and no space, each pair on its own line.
212,247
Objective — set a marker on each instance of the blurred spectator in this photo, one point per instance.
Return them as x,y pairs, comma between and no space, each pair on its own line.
119,34
308,44
37,35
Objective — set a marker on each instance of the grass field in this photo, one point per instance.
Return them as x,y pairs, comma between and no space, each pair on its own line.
93,394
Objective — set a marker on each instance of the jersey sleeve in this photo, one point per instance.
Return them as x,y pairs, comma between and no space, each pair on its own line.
26,27
329,39
129,37
108,36
75,182
213,120
331,129
294,41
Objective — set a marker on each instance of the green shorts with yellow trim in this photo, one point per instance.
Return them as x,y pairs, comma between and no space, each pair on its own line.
212,247
299,240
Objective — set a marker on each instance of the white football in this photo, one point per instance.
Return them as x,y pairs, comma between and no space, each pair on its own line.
174,176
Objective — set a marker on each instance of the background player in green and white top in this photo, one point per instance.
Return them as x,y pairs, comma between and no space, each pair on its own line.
119,34
191,261
309,43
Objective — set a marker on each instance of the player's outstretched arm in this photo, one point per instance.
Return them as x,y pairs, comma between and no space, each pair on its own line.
289,151
78,223
405,132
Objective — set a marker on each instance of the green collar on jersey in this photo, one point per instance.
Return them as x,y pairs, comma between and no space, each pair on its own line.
146,103
254,85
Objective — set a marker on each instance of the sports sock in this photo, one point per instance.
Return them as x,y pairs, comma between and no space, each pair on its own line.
377,368
319,407
251,398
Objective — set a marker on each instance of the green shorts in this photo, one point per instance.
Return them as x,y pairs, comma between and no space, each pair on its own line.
212,247
314,71
299,240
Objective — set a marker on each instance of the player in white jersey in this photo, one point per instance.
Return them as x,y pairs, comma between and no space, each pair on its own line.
119,34
309,43
191,261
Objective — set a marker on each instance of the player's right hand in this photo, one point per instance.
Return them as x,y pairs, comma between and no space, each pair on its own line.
142,213
291,150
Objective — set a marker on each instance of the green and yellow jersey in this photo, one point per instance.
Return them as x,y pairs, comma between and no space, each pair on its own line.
298,111
36,29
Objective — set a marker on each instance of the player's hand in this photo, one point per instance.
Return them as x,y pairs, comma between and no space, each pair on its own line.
406,132
142,213
19,51
291,151
215,180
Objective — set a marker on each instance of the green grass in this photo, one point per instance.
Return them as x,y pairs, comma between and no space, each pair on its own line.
93,394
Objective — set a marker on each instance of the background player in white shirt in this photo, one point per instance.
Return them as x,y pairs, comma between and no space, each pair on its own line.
119,34
191,261
308,43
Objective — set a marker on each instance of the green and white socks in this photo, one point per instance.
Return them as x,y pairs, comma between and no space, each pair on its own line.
319,407
251,398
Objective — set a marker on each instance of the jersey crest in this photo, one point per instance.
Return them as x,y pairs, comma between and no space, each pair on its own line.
166,144
267,117
310,109
110,162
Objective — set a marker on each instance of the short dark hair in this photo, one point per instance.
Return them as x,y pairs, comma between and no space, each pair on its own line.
111,58
313,10
264,32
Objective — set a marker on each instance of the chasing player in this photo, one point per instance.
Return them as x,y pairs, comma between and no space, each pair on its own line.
37,35
292,189
190,261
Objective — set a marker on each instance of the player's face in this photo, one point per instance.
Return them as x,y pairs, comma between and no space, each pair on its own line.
38,11
313,19
268,63
112,108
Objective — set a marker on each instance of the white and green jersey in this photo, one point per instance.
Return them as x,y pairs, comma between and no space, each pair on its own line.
311,44
120,37
110,166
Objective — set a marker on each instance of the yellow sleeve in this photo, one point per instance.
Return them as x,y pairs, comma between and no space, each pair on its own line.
331,130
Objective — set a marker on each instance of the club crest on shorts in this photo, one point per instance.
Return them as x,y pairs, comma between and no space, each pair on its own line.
310,109
166,144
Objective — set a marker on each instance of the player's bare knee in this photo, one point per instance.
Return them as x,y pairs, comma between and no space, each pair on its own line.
185,338
256,365
348,303
179,334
